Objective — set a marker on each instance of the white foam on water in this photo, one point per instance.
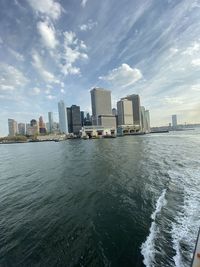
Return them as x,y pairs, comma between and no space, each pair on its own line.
148,247
184,229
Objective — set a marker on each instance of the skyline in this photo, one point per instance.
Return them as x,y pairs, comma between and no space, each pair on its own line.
55,50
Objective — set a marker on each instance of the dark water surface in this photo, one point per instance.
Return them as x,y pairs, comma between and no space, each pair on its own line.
131,201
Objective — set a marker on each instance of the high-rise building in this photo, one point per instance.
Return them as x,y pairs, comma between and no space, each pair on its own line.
147,117
101,103
12,127
62,117
32,128
21,128
74,119
114,112
136,108
82,118
50,116
101,108
42,127
174,121
125,112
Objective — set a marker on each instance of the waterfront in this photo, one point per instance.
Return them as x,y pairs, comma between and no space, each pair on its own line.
106,202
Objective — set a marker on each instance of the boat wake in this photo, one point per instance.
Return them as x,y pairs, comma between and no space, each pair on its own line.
186,224
148,247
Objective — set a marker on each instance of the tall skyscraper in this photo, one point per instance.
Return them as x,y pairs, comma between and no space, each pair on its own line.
174,121
12,127
74,119
147,117
42,128
21,128
62,117
125,112
50,116
136,108
82,118
101,108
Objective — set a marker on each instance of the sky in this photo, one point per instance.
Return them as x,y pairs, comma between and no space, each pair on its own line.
52,50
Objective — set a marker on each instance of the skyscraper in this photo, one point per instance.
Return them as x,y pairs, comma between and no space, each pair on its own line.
74,119
147,117
62,117
50,116
136,108
174,121
12,127
101,108
21,128
42,128
125,112
82,118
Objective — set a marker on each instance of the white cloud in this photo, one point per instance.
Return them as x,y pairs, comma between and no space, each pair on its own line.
48,34
174,100
123,76
88,26
193,49
72,53
46,75
196,62
17,55
50,8
36,91
195,87
83,3
62,91
50,97
11,78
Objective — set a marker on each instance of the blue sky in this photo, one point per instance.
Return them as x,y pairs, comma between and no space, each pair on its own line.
60,49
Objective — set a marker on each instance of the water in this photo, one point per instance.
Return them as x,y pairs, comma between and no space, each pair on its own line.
131,201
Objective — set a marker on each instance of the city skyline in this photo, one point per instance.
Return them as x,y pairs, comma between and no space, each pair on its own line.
52,50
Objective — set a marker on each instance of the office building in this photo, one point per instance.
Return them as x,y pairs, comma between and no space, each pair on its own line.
114,112
42,127
147,117
101,108
125,112
32,128
136,108
174,121
82,118
50,125
74,119
12,127
21,128
63,124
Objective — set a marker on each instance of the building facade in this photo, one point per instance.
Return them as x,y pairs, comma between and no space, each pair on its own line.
174,121
21,128
125,112
74,119
101,108
63,124
50,125
12,127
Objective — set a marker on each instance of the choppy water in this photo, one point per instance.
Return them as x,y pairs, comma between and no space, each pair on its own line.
131,201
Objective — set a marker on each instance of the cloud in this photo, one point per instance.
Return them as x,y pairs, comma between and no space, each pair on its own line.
50,97
83,3
193,49
174,100
17,55
73,51
88,26
47,33
36,91
122,76
46,75
11,78
50,8
196,62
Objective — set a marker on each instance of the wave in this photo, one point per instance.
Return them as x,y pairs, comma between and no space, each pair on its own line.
186,224
148,247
